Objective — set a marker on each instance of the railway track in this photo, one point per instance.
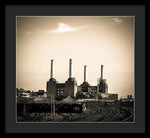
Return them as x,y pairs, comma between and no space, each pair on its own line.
130,117
100,113
127,111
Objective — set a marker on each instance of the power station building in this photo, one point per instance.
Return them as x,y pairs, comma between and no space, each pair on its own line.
62,89
70,88
102,86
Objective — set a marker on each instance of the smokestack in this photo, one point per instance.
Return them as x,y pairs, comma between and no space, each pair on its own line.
101,71
84,73
70,68
52,68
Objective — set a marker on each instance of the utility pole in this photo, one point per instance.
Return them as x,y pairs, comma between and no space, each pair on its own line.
24,108
52,106
120,104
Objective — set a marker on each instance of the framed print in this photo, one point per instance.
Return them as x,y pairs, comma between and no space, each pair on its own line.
75,69
95,40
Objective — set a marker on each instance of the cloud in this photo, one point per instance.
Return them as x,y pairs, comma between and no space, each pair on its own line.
62,28
112,22
117,20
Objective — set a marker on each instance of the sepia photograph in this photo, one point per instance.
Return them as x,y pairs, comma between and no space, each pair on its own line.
75,69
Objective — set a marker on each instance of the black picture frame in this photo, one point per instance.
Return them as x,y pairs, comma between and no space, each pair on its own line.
10,67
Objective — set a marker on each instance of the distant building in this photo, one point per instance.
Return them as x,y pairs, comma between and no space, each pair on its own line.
68,99
62,90
103,86
92,90
128,98
85,86
23,93
85,90
59,89
71,87
108,96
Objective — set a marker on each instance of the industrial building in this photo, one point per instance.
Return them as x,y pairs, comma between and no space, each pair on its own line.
62,89
103,86
85,86
70,88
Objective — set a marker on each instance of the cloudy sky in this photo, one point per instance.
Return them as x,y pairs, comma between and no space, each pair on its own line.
87,40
